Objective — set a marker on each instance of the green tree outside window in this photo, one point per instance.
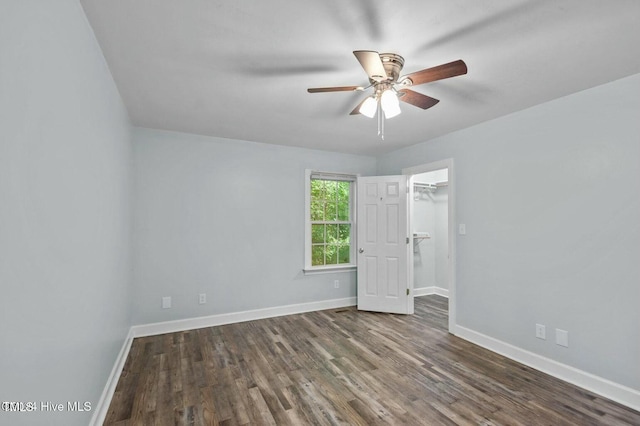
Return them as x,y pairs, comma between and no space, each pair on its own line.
330,222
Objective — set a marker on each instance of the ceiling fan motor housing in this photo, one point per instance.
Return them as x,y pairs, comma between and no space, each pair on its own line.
392,64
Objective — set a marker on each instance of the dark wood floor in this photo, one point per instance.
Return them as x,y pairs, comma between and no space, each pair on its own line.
342,366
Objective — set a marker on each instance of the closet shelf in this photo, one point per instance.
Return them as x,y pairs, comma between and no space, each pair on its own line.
421,235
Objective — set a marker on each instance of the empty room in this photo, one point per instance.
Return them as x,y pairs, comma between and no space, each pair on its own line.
319,212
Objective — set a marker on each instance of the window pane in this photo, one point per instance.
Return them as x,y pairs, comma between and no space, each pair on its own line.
343,191
331,253
343,210
331,211
332,234
317,255
317,234
343,254
317,210
331,188
344,234
330,202
317,189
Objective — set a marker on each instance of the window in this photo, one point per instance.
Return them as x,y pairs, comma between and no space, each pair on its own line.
329,221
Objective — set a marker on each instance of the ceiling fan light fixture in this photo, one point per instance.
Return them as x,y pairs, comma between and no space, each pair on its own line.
390,103
369,107
383,70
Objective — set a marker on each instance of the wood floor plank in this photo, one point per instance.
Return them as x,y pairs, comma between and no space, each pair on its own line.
343,366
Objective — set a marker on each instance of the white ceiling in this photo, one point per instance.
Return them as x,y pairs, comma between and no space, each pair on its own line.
240,69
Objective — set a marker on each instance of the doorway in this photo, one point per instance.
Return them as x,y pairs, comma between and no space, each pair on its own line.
432,218
430,239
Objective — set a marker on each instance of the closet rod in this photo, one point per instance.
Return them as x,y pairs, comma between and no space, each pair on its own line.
424,185
431,185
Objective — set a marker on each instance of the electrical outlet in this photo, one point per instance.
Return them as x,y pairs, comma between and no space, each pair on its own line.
202,298
541,332
166,302
336,284
562,337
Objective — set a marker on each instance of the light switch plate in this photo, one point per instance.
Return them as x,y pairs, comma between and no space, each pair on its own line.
541,332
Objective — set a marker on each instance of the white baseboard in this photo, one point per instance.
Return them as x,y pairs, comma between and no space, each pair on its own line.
427,291
102,407
606,388
234,317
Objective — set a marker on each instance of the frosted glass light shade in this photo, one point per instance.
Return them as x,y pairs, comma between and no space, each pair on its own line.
390,104
368,107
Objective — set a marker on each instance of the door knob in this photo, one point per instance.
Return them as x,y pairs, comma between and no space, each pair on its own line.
361,250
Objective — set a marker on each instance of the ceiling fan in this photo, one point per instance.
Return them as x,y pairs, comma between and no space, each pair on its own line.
389,88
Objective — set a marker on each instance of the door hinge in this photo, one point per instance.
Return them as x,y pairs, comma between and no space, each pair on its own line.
407,292
407,240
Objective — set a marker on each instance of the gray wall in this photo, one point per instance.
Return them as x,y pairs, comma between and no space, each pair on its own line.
65,160
225,218
551,203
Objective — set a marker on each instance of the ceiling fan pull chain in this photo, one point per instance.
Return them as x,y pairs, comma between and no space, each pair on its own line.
380,130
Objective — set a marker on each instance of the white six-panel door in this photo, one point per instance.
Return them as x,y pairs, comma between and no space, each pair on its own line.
383,249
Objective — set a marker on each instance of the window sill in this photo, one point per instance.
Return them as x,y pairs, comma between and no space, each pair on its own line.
329,269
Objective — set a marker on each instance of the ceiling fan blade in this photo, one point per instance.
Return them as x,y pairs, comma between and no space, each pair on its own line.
440,72
372,64
417,99
334,89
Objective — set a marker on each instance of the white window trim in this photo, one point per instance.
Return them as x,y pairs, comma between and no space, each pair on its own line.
347,267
